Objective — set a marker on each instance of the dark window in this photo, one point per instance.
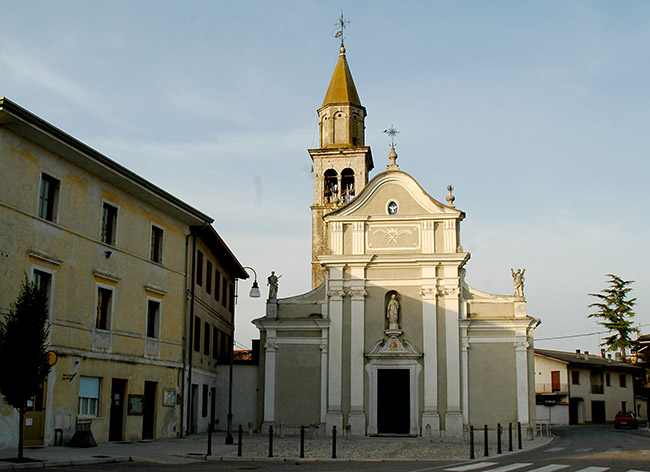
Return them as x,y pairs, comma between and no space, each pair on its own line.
104,305
109,223
623,406
204,405
197,334
208,277
217,284
153,315
575,377
331,186
206,339
43,281
608,380
224,292
347,185
199,268
156,244
215,342
48,197
621,380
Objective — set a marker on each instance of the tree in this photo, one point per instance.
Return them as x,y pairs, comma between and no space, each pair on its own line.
23,350
615,309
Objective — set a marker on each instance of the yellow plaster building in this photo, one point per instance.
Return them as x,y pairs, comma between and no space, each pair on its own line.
113,251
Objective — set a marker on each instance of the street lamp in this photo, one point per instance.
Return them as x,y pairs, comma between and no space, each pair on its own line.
254,293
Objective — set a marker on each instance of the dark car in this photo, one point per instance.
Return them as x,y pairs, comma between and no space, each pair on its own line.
625,419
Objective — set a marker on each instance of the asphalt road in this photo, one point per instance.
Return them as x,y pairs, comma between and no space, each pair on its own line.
576,449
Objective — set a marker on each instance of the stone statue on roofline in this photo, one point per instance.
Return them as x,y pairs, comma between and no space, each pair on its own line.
518,282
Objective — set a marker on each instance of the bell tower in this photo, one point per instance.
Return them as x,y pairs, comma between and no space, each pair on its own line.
343,161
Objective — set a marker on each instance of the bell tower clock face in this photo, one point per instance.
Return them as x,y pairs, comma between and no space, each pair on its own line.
393,208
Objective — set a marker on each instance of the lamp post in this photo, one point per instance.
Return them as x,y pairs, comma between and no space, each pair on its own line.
254,293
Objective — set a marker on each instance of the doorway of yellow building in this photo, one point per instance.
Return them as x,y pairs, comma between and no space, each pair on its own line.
34,419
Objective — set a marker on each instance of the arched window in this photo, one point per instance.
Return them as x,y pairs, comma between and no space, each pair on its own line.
331,186
347,185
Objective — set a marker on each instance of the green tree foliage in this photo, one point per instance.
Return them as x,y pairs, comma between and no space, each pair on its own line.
23,350
616,311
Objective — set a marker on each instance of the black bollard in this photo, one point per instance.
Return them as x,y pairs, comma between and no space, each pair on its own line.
302,442
471,442
519,434
239,440
485,441
498,438
271,441
209,439
510,437
334,442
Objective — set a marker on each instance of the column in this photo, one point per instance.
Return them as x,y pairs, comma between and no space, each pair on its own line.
323,375
521,349
453,416
334,410
430,415
357,416
270,348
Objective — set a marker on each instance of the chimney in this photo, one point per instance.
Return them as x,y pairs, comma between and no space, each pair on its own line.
578,353
586,355
609,357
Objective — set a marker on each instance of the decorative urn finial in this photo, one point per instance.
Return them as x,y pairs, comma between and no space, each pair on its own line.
450,197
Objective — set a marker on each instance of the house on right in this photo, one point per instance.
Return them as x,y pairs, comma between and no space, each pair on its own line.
580,388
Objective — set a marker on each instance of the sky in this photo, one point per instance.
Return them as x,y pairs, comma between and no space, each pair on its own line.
538,113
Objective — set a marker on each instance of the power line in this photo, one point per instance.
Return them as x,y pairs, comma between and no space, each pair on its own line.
582,335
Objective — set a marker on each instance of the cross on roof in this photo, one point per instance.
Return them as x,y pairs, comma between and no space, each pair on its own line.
339,27
392,132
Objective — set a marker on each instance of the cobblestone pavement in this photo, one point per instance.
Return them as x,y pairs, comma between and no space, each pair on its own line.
372,448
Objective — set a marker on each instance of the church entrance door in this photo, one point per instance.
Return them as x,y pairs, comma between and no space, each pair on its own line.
393,401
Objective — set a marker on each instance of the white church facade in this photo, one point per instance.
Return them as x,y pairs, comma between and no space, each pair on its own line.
391,340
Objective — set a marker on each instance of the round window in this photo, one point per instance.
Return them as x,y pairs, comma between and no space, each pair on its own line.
393,208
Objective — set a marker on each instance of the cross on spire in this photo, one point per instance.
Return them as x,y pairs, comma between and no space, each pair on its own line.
392,132
339,27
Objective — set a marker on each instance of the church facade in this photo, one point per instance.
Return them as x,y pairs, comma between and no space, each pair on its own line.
390,340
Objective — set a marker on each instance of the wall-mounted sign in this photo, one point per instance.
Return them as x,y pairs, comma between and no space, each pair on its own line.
169,397
136,404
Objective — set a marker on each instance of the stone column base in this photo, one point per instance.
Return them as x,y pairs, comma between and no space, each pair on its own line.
430,418
454,424
334,418
357,422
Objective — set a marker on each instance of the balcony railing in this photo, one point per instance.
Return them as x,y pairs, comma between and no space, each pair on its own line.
551,388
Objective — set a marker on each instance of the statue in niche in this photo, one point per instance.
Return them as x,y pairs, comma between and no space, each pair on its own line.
273,285
392,310
518,282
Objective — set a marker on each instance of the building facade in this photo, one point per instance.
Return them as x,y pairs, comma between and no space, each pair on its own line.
209,329
391,340
111,249
582,388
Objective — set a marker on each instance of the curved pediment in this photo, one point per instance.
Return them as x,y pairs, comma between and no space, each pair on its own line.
394,194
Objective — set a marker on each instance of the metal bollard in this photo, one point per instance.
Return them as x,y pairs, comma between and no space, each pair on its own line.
240,433
485,441
471,442
209,439
302,442
334,442
271,441
498,438
510,437
519,434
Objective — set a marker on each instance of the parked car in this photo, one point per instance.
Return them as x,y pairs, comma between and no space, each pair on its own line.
625,419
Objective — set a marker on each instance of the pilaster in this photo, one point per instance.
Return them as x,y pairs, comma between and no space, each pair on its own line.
334,410
430,414
357,416
521,349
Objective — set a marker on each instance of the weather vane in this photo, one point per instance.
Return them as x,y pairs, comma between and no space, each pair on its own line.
391,132
340,26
